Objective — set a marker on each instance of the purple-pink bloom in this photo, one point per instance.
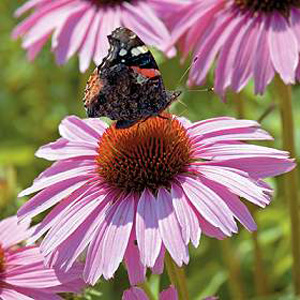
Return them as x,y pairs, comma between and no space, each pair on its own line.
132,194
82,26
135,293
23,275
248,39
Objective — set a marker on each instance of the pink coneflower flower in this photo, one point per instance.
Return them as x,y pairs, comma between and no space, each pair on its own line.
130,194
249,38
82,26
22,271
136,293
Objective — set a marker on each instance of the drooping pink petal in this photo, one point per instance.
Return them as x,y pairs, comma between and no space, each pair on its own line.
244,58
80,211
58,172
207,53
135,269
158,267
69,250
169,228
62,41
79,33
281,40
186,216
147,231
50,196
169,294
108,247
117,235
224,68
134,293
262,76
87,49
239,210
209,205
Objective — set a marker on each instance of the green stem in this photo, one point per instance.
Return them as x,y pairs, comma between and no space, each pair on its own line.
177,277
290,179
260,277
147,290
240,105
233,264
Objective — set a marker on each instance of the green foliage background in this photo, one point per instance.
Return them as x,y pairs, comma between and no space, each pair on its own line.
35,97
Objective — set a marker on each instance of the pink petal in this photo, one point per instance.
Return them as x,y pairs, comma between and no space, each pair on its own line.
81,209
169,294
68,251
283,48
262,75
117,235
295,23
109,21
238,183
79,33
64,149
134,293
110,242
209,205
224,69
147,231
186,216
169,228
233,202
36,47
87,49
27,6
158,267
13,232
75,129
49,197
243,62
58,172
210,48
13,294
45,25
238,150
259,167
218,125
135,269
62,37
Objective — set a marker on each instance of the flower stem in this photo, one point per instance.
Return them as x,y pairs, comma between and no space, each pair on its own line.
231,259
177,277
290,179
260,277
147,290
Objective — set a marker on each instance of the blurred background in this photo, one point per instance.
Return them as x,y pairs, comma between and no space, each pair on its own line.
35,97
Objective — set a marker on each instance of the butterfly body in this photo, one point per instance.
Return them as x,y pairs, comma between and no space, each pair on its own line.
127,86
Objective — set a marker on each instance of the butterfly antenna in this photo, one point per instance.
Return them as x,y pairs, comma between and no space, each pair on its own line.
187,70
209,89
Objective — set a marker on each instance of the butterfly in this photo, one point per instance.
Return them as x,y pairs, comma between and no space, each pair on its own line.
127,86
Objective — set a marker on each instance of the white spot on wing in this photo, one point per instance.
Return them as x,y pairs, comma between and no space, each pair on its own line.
139,50
122,52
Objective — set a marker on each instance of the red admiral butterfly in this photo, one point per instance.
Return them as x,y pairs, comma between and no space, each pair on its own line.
127,86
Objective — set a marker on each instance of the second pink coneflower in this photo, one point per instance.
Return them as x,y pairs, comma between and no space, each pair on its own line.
82,26
248,39
22,271
132,194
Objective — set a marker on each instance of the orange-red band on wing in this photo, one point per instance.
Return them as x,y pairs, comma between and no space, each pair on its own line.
147,72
